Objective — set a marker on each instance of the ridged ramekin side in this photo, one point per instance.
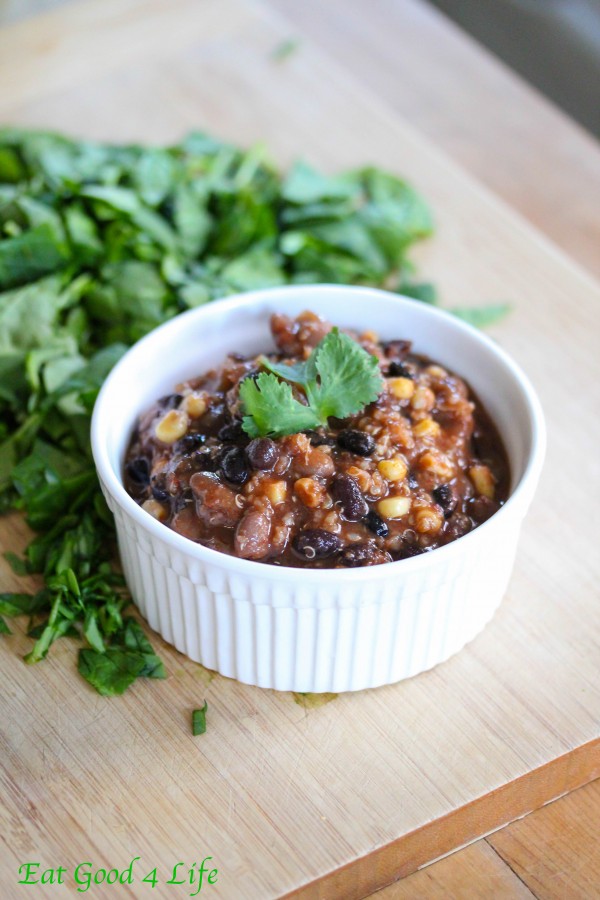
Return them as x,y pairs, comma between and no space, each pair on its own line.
348,641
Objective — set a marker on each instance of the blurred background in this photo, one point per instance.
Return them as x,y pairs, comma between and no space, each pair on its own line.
554,44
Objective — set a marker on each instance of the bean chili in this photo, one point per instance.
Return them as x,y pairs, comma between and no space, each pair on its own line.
419,467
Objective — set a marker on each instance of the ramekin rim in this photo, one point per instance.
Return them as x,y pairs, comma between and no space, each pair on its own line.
113,482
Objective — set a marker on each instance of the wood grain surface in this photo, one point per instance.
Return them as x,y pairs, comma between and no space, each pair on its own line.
475,873
555,850
469,104
281,795
550,854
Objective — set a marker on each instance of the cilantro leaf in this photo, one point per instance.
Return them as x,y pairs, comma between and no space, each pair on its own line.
296,373
339,379
481,316
423,291
29,255
349,377
271,408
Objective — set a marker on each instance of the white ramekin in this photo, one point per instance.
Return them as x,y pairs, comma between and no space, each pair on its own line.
302,629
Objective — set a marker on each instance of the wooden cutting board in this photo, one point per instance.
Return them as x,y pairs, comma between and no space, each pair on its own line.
333,799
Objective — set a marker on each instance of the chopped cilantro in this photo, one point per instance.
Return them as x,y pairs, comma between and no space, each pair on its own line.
199,720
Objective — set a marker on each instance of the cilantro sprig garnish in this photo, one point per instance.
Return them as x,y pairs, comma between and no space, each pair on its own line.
339,378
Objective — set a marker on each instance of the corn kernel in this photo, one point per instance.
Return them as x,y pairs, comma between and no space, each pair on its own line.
483,480
427,520
423,399
276,491
437,463
402,388
426,428
393,469
371,336
156,509
172,426
194,405
436,372
393,507
310,492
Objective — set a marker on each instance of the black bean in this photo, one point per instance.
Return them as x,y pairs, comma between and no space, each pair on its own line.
483,443
399,370
234,466
252,374
214,418
458,525
481,508
316,543
347,493
184,499
170,401
412,481
191,442
138,471
375,523
363,555
358,442
262,453
159,492
318,440
232,432
206,460
446,498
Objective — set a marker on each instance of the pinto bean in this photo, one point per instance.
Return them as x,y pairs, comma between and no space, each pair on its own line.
215,503
252,535
315,543
187,523
296,337
367,554
309,460
315,463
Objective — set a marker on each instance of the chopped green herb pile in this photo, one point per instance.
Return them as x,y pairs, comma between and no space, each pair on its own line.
98,245
339,378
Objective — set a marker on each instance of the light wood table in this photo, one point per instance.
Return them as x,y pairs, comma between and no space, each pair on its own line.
340,799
